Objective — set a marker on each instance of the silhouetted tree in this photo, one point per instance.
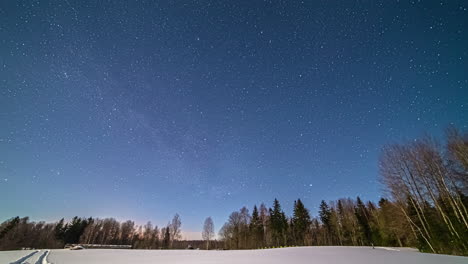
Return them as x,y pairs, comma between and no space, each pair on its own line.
300,222
208,231
278,224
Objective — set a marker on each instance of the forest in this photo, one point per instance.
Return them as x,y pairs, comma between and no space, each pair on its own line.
425,206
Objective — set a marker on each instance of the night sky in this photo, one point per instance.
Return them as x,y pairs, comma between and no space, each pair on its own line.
143,109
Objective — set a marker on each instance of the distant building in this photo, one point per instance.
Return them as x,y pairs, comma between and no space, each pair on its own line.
99,246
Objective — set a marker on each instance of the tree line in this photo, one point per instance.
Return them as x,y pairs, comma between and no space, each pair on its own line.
344,222
426,208
17,233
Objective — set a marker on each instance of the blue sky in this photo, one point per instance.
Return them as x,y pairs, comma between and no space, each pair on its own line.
140,109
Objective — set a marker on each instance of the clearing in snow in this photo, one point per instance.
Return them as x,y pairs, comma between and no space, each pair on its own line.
329,255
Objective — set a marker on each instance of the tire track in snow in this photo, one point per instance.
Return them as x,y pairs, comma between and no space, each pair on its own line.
43,258
23,259
34,258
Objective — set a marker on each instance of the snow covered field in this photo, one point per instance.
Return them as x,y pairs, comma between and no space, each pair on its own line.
24,256
328,255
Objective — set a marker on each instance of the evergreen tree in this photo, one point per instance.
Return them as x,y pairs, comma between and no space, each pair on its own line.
362,216
278,224
8,225
167,237
256,229
300,222
59,230
325,215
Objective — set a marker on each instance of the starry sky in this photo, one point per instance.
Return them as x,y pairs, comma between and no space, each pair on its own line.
143,109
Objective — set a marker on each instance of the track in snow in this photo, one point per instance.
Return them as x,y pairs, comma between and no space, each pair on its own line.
36,257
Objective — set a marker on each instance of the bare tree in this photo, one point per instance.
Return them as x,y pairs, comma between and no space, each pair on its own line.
208,231
421,181
127,230
174,229
398,175
265,218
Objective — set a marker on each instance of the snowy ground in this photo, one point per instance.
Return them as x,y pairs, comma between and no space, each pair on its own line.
24,257
328,255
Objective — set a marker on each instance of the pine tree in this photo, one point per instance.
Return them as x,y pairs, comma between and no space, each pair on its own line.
9,225
59,230
167,237
325,215
278,224
256,229
362,216
300,222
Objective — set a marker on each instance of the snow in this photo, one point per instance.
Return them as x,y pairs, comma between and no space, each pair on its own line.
298,255
24,257
14,255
